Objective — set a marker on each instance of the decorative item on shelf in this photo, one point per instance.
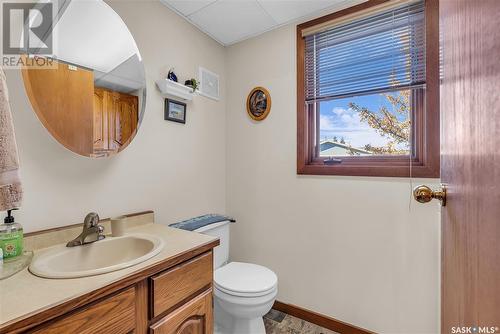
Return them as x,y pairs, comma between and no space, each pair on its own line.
171,75
258,103
175,111
192,83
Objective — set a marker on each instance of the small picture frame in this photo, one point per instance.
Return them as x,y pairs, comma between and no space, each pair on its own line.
175,111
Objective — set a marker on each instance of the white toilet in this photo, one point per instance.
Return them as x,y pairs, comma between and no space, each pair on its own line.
243,292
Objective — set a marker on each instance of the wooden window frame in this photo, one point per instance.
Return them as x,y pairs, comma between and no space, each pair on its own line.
425,159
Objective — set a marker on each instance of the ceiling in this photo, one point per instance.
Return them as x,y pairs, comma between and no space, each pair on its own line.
97,39
231,21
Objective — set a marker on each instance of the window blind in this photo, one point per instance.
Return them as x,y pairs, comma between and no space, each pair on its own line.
377,53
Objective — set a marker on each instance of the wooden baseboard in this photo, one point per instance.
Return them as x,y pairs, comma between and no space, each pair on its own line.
320,319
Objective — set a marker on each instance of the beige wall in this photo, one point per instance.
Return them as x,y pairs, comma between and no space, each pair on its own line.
176,170
350,247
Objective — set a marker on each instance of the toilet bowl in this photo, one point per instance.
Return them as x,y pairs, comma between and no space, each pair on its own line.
243,292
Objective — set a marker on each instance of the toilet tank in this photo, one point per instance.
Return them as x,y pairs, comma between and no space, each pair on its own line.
220,230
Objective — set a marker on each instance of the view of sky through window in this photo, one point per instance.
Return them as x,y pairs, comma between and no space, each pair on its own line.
375,124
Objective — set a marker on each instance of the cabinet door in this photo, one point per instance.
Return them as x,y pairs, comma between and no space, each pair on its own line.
112,315
177,284
100,121
194,317
123,119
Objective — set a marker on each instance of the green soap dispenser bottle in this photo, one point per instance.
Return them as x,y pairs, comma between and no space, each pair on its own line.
11,237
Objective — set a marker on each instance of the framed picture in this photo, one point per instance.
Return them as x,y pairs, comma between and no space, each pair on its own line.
175,111
258,103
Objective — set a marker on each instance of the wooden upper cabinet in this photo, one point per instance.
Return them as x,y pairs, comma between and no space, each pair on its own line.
194,317
100,125
123,118
62,99
115,119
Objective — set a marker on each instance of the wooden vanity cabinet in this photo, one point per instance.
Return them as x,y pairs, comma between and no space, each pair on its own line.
170,298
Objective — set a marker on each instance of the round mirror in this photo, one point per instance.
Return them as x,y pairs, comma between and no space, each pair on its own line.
90,93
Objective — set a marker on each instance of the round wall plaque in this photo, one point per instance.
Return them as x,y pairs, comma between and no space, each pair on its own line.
258,103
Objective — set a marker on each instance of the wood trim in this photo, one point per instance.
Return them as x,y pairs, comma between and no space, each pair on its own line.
141,307
302,123
347,18
61,228
319,319
348,11
34,319
427,156
431,156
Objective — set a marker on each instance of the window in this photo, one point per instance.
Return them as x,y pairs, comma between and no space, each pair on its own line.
368,91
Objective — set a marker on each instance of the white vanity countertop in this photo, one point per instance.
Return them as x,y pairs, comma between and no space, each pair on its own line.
25,294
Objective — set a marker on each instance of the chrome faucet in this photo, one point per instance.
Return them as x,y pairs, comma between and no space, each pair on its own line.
92,231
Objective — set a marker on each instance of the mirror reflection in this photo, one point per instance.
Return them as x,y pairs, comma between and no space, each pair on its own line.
92,98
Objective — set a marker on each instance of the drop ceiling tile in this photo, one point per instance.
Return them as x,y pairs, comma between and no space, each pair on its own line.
284,11
229,21
288,10
187,7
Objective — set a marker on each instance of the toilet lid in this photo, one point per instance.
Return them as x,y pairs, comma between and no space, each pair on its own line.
246,278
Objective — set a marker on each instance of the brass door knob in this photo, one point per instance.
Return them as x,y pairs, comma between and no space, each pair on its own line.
424,194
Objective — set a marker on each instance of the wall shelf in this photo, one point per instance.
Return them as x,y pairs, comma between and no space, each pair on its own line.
175,89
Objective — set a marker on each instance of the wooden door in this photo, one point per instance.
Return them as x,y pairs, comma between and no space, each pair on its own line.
470,165
100,121
194,317
123,119
62,98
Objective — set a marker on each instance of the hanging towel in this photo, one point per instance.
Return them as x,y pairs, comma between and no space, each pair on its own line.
11,192
197,222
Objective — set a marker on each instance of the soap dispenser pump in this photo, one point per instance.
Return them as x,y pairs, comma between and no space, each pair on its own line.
11,237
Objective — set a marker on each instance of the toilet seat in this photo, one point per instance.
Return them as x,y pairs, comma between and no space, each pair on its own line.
245,280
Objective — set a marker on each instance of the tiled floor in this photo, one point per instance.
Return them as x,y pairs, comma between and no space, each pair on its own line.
281,323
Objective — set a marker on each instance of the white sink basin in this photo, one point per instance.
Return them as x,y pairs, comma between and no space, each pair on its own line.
100,257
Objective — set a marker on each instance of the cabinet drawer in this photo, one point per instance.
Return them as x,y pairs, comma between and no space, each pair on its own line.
175,285
114,314
194,317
